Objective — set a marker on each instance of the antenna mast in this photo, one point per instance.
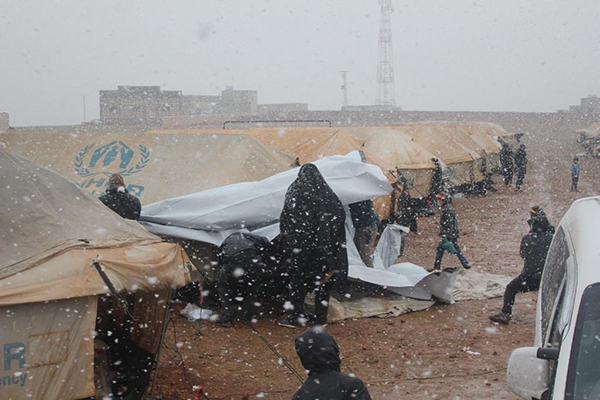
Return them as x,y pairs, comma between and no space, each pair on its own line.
386,93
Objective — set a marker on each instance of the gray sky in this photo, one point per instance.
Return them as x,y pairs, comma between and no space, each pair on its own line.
479,55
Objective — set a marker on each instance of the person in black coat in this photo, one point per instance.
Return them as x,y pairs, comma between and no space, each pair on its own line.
407,212
520,165
313,241
534,248
119,200
246,263
366,222
449,234
320,356
506,162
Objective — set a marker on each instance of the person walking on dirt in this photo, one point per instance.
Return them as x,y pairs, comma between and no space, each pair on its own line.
520,165
313,240
534,248
575,169
320,356
506,162
449,234
365,221
119,200
437,180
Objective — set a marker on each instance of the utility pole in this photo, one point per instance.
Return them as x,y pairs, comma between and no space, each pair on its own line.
83,97
344,88
386,92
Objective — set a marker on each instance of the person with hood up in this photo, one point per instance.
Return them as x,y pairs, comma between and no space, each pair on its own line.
320,356
246,262
119,200
575,169
449,234
520,165
366,222
534,248
313,241
506,162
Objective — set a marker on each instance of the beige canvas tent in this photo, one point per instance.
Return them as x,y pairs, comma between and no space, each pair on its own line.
464,163
308,144
155,167
591,132
54,239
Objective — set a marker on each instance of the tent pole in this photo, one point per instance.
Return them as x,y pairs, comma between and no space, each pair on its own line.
160,344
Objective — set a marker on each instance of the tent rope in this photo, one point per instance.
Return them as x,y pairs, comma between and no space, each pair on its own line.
277,353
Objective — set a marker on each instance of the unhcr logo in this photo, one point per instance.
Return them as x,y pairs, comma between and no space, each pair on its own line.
116,156
98,163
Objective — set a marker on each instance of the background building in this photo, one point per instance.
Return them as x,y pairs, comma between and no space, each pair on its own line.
589,105
138,105
149,104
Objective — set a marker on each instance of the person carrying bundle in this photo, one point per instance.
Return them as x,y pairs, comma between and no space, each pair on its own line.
449,233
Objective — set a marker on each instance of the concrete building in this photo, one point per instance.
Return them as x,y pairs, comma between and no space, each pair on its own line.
138,105
4,122
264,109
588,105
149,104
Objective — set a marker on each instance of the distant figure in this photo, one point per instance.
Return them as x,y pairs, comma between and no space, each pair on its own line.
575,169
119,200
320,356
313,241
436,185
246,263
365,221
449,234
406,213
506,162
534,248
520,165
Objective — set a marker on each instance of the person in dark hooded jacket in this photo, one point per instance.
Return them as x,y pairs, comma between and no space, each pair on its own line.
320,356
449,234
313,241
534,248
246,262
506,162
119,200
520,165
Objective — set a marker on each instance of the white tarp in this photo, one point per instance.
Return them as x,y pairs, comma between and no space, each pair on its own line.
210,216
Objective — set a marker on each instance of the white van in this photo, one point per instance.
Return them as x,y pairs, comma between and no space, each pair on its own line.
565,360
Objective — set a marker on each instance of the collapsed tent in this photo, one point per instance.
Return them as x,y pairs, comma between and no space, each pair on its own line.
155,167
59,251
212,215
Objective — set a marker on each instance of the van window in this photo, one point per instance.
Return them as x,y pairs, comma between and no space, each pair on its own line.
583,378
553,282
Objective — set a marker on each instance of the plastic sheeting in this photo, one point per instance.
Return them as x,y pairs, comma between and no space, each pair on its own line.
211,215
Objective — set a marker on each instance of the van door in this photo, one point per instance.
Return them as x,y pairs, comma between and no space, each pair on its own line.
557,292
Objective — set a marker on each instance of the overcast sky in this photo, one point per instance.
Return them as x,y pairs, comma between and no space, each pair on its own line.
456,55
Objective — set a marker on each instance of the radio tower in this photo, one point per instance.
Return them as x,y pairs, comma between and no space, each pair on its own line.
386,95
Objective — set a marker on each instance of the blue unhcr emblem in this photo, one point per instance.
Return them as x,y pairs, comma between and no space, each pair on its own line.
114,154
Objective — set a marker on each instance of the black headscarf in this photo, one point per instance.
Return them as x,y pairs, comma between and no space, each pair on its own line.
318,351
312,219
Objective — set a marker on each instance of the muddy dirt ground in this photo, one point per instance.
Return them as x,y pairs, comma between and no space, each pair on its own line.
445,352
